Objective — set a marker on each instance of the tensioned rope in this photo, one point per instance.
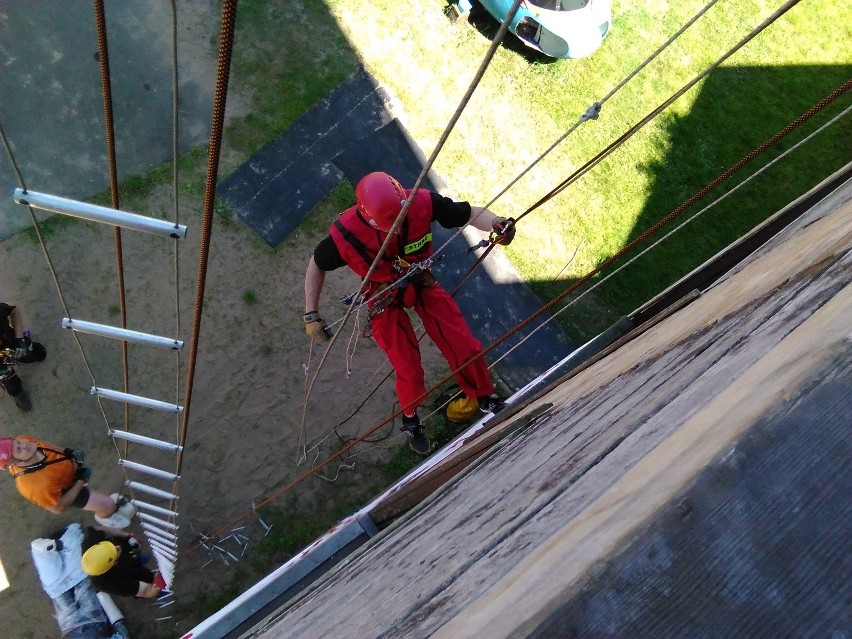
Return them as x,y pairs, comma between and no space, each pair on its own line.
690,219
599,158
176,200
777,137
223,67
593,111
588,166
106,92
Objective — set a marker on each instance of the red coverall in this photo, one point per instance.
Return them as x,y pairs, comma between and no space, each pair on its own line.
358,244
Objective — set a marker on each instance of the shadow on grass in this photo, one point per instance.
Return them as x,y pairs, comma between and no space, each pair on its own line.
737,109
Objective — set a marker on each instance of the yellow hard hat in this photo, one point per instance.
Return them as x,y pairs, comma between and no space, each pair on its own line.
99,558
462,409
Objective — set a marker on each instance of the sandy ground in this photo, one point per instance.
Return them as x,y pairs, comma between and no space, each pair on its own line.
246,411
247,405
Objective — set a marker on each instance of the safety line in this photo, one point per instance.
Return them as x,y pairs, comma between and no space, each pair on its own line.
690,219
597,159
176,200
223,66
106,92
591,113
810,113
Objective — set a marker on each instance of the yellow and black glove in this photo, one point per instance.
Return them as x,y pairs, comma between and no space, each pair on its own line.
315,327
503,230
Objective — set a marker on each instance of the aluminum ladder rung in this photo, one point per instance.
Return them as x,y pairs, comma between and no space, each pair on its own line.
145,488
165,548
155,509
97,213
147,441
113,332
162,523
167,536
155,536
162,550
136,400
148,470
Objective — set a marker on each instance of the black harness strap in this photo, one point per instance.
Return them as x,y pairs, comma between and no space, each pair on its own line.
357,244
43,463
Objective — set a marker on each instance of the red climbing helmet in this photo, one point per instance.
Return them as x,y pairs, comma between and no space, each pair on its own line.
380,199
5,451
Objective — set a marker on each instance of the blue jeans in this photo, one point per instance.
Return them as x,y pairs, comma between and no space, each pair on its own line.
80,615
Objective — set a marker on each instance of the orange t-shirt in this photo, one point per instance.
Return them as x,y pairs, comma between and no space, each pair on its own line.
46,485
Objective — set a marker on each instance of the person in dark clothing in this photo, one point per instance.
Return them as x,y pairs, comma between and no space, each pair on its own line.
112,560
16,347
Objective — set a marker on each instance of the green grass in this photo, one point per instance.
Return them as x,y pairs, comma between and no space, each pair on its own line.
289,58
524,103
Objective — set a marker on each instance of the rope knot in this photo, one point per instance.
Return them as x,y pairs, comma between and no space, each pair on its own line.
591,113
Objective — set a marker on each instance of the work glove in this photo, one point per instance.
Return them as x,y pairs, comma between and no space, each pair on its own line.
77,455
23,347
84,473
135,546
503,230
159,582
315,327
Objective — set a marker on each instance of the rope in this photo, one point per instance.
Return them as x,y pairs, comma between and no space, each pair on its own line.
226,39
810,113
176,196
591,113
647,249
594,110
106,90
52,268
685,205
636,127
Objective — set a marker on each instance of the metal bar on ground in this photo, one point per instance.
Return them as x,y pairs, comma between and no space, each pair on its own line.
113,332
97,213
136,400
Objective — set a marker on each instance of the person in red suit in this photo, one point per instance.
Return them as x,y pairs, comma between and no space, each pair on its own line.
354,240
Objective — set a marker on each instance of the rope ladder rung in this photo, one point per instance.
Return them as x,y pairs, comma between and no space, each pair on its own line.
113,332
95,213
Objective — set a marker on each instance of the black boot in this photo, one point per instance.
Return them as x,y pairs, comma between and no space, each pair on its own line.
417,439
22,401
491,404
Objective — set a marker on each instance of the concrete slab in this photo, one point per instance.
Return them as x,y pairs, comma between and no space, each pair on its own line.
282,183
52,106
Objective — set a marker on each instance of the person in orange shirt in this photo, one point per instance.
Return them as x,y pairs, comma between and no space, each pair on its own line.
56,479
